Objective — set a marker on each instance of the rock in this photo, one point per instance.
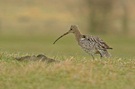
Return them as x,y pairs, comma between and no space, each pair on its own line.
39,57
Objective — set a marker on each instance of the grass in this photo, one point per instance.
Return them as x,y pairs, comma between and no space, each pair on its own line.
68,74
76,70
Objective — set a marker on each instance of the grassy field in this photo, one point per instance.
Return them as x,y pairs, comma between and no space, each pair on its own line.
24,26
76,70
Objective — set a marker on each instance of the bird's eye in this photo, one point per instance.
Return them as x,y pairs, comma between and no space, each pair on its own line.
71,29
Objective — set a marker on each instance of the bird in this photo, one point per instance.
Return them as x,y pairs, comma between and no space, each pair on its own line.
89,43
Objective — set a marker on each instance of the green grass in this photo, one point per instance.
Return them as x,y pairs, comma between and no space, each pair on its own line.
76,70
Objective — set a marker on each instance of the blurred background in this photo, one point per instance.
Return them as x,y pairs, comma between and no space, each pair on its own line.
32,25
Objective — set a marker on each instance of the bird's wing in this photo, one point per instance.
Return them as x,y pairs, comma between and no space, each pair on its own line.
99,41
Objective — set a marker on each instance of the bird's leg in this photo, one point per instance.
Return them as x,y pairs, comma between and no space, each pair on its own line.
93,56
99,52
101,56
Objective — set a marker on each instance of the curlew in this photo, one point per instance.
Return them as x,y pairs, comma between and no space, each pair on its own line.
90,44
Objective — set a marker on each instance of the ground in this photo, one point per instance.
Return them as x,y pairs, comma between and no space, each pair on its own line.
76,70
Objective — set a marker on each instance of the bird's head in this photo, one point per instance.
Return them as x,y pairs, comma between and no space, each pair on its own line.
73,29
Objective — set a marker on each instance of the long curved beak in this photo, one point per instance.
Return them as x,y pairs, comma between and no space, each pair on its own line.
60,37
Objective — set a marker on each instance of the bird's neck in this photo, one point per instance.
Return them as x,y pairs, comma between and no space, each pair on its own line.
78,35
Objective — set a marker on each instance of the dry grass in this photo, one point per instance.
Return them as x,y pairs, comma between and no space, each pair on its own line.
71,73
